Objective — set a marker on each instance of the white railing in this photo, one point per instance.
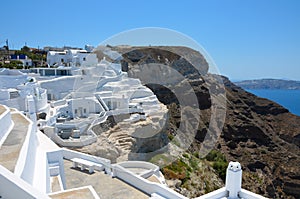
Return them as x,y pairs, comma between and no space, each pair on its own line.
70,154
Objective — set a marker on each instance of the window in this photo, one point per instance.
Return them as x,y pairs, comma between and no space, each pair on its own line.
84,59
75,111
84,110
62,60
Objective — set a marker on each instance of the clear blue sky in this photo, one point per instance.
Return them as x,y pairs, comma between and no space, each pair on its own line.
247,38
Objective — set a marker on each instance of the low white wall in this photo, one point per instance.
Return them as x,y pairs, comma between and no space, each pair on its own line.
124,111
14,187
250,195
6,124
219,193
58,103
26,161
69,154
150,168
74,142
145,185
55,157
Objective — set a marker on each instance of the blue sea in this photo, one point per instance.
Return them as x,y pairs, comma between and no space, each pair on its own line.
290,99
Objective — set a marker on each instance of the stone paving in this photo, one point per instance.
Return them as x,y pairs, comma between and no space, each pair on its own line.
105,186
84,193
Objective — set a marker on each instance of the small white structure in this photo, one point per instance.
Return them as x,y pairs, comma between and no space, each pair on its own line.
234,179
71,57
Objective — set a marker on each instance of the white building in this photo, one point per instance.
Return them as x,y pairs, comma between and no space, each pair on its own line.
15,87
71,57
22,58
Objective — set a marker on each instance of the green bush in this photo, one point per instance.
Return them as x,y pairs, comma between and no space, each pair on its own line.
219,163
14,64
220,168
215,155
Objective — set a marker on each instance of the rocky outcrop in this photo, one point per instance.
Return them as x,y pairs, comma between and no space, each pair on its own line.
120,140
262,135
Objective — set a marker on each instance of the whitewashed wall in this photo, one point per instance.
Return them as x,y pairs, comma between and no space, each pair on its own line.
59,87
14,187
27,157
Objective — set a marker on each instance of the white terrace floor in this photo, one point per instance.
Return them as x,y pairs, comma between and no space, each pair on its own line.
105,186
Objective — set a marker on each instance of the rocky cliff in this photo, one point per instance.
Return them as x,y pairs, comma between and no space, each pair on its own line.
263,136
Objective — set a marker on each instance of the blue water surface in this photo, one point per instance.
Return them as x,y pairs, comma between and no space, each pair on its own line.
290,99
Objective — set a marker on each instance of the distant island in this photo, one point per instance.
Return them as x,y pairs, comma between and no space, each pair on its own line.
269,84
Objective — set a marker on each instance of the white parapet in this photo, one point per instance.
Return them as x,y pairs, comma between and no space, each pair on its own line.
12,186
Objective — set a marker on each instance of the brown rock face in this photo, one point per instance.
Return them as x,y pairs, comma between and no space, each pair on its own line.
266,142
262,135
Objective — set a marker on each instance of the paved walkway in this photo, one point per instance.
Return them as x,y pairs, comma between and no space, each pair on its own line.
105,186
2,109
10,149
84,193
